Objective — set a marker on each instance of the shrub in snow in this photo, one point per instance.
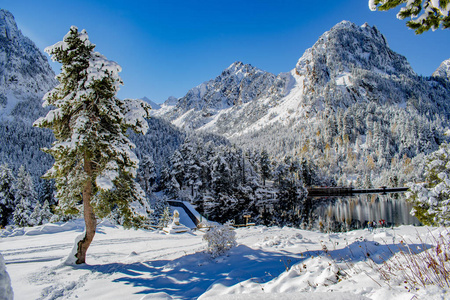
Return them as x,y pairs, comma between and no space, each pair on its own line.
220,239
6,292
431,199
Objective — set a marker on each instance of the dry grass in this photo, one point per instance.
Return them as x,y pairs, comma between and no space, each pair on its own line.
417,268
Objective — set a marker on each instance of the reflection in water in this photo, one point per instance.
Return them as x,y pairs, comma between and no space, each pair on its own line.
345,213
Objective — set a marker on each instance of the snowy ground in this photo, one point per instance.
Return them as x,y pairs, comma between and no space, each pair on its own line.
268,263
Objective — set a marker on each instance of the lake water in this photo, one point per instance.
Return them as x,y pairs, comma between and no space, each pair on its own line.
343,213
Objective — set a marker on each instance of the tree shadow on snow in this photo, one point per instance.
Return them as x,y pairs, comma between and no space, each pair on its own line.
190,276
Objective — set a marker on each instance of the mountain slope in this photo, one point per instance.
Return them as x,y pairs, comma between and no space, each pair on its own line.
25,74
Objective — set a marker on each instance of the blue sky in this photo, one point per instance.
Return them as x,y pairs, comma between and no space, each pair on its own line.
167,47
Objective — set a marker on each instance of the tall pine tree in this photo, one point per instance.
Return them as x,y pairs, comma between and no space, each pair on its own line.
7,200
94,163
25,199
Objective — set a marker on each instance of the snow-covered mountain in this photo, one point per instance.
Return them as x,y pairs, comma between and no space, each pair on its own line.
152,104
443,70
237,85
348,64
25,74
351,106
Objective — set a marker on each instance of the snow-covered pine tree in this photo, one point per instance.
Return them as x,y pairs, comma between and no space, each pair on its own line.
177,171
25,199
41,214
291,193
264,165
45,191
6,194
423,15
192,166
159,204
94,162
147,174
46,213
431,199
165,217
35,217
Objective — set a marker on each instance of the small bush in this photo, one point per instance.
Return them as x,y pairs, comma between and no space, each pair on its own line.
220,239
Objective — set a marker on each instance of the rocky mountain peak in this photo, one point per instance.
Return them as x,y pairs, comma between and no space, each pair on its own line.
443,71
237,84
239,66
171,101
235,66
347,47
153,104
8,26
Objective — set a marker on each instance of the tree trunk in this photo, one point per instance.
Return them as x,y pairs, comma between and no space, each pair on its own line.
89,216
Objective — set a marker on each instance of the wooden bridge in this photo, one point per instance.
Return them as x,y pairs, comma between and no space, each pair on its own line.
349,191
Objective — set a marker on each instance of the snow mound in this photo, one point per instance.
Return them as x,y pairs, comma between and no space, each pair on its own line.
281,241
48,228
6,292
296,283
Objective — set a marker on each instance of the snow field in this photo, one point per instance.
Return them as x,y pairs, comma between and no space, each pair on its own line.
268,263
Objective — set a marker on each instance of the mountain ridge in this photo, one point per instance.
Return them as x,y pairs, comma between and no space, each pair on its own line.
347,64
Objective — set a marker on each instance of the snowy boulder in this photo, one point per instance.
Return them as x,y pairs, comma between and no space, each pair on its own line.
6,292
